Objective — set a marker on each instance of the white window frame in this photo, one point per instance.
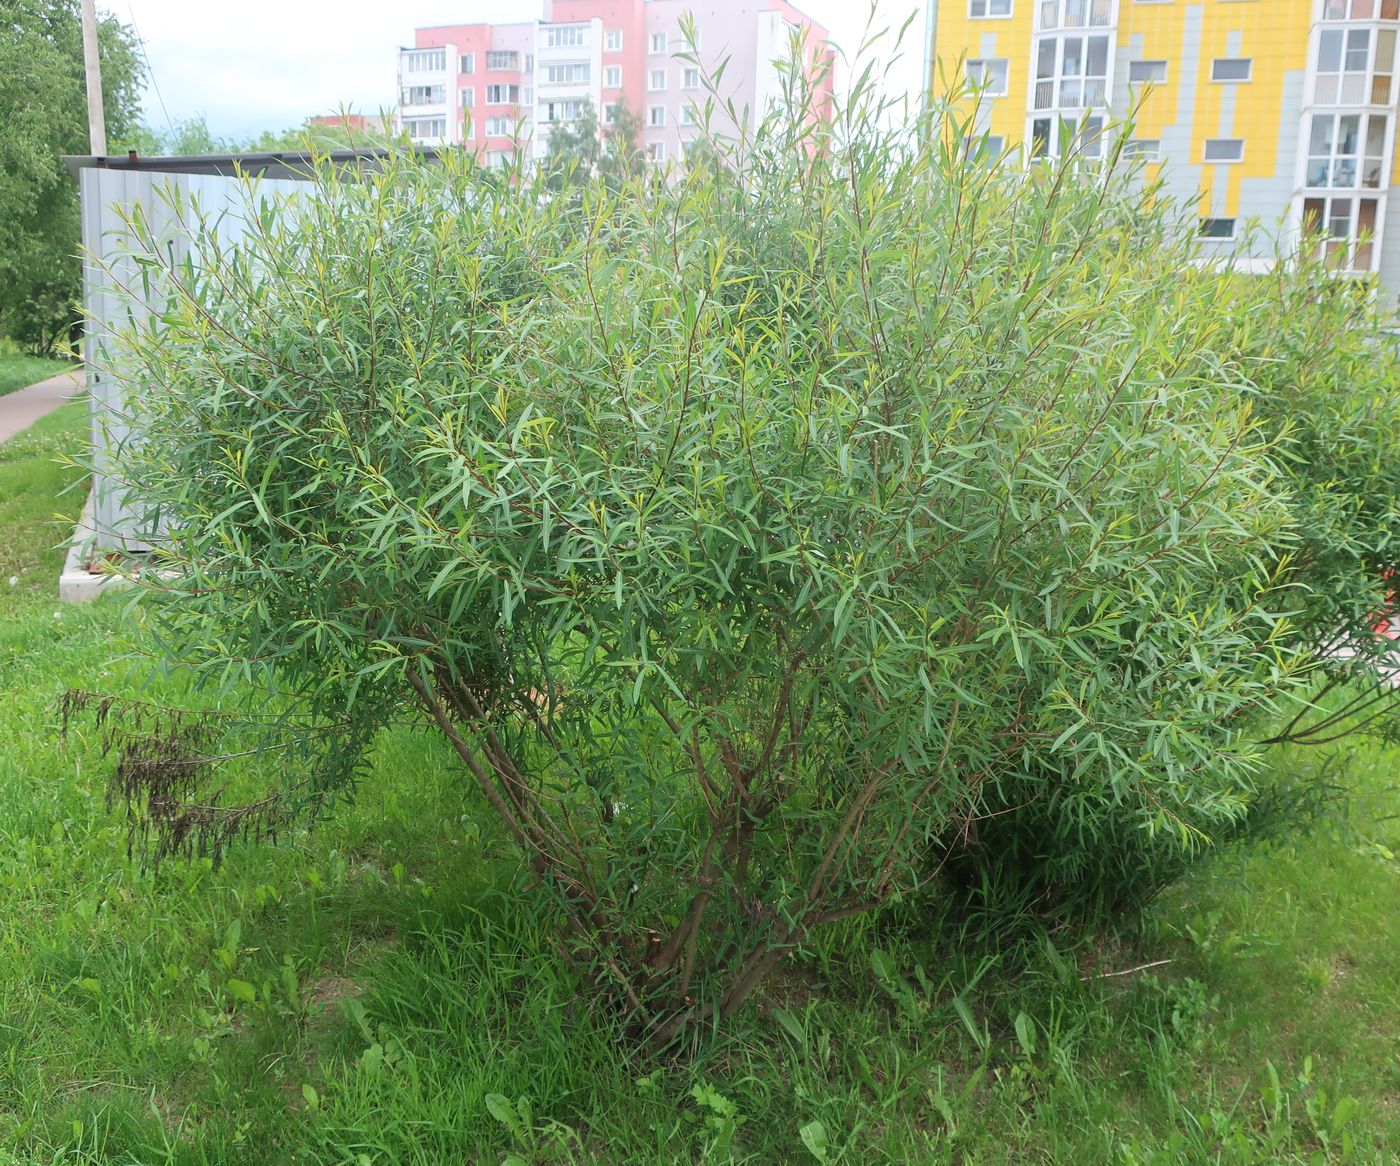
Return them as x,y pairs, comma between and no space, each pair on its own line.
566,73
612,40
1072,15
1144,64
990,9
1085,134
570,109
1348,10
1092,89
1230,238
1344,249
1247,62
612,76
1360,170
425,61
1351,85
566,36
658,42
652,86
413,95
656,117
989,80
1218,144
987,149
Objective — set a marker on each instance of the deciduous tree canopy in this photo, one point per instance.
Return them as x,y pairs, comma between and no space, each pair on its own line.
43,109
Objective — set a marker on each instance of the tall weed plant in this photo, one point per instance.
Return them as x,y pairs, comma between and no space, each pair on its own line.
756,533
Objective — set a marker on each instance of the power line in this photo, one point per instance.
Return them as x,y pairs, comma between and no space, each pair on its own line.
150,69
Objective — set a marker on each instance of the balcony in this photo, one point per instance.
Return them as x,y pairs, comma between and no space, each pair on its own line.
419,95
1070,93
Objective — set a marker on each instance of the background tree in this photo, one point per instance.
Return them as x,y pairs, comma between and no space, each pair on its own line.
43,108
318,136
575,150
193,136
623,156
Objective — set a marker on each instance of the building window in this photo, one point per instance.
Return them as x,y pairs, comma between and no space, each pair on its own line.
563,110
1147,149
987,150
688,115
610,113
503,95
656,151
1231,68
425,95
656,116
421,128
468,97
1348,228
612,77
1347,150
1071,72
656,80
502,60
1217,229
658,42
468,63
612,40
561,36
691,78
498,127
1224,150
989,75
1355,67
574,73
1054,14
1143,72
977,9
1360,9
1064,137
431,61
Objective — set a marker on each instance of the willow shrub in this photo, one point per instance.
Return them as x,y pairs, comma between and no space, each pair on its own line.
738,533
1323,360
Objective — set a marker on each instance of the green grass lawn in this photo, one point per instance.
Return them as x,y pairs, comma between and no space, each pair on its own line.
378,990
17,370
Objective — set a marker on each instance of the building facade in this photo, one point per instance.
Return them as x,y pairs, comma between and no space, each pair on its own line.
501,88
1273,113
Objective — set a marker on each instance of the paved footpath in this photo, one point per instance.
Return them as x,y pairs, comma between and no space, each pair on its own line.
20,409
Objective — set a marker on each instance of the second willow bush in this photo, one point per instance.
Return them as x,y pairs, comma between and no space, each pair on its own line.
738,533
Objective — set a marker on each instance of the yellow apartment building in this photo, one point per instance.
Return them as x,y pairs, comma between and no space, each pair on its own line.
1271,112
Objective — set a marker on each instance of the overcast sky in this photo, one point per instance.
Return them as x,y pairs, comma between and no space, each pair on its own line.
252,65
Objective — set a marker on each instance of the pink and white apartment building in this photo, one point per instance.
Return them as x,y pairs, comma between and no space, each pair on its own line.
498,87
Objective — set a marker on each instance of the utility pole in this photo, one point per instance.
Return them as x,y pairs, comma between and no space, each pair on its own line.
97,121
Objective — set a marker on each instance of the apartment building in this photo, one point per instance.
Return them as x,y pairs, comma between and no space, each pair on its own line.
1270,112
499,88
